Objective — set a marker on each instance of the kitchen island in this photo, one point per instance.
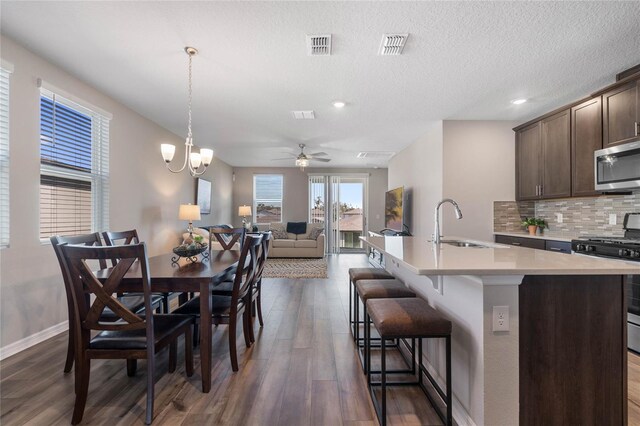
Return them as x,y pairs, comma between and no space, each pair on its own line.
562,359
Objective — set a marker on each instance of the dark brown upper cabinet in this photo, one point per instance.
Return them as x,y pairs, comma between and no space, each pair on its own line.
621,114
528,164
543,156
556,155
586,137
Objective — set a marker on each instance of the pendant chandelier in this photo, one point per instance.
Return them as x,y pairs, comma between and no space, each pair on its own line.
193,160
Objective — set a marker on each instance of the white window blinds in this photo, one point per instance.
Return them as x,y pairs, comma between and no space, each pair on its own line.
74,168
317,199
267,198
4,157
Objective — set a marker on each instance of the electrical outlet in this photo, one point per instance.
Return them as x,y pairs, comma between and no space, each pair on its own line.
500,318
559,217
613,219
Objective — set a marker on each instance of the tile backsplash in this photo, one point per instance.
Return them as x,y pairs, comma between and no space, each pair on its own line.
580,216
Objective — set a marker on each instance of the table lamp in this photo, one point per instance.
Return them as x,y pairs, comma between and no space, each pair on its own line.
244,211
189,212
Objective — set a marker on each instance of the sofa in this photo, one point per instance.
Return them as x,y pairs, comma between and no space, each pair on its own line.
295,245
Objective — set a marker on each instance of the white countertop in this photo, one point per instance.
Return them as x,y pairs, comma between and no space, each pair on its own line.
548,237
424,258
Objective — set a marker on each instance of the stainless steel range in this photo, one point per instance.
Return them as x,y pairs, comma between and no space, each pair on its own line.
626,249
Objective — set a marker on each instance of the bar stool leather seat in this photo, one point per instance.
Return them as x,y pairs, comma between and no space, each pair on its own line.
409,317
382,289
356,274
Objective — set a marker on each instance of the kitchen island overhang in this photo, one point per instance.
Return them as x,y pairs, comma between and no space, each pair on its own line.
566,345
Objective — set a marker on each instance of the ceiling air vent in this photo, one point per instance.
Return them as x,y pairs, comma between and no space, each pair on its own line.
375,154
319,45
392,44
304,115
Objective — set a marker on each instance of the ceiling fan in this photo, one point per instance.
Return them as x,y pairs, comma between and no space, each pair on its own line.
302,159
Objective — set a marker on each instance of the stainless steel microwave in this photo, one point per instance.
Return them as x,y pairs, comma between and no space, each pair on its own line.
618,167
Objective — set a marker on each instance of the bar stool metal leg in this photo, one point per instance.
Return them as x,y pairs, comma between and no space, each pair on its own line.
383,381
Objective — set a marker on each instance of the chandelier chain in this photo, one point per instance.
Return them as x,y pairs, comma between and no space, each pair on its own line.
189,134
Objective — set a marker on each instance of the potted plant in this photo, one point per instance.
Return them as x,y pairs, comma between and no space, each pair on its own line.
533,224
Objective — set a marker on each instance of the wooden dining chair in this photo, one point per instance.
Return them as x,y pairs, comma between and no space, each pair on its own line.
113,238
227,309
132,336
226,237
133,302
256,290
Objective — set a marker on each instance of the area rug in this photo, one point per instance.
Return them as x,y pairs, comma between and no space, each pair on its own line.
295,268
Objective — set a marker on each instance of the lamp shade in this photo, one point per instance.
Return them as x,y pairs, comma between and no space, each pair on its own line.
189,212
244,211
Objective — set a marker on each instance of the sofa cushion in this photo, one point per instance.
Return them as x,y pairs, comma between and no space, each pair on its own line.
283,243
297,227
315,233
306,244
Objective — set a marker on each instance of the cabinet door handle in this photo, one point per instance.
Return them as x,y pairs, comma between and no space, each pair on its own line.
637,126
516,244
555,249
541,190
537,190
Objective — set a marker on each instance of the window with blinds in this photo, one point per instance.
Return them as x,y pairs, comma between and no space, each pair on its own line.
317,199
74,168
267,198
4,157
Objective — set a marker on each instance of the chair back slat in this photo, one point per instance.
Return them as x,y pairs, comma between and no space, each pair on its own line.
112,238
227,237
264,254
84,281
247,264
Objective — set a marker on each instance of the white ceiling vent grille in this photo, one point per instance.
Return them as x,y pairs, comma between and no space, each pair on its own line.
393,44
319,45
304,115
375,154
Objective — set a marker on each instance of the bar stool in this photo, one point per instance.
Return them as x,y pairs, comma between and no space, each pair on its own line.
381,289
410,318
356,274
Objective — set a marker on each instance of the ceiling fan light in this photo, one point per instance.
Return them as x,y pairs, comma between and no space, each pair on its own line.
302,162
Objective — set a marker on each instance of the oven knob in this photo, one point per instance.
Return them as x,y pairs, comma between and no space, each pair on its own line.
624,253
580,247
635,254
591,248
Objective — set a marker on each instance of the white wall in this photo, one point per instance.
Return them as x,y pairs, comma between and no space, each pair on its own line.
419,169
143,194
478,169
296,191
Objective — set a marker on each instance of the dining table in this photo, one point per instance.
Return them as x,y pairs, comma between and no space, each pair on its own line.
185,276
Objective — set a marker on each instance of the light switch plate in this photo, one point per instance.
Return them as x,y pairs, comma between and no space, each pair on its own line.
500,318
559,217
613,219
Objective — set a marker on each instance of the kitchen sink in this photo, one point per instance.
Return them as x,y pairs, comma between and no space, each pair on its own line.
462,243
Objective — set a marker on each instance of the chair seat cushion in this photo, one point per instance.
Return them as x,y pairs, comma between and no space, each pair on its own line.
305,244
382,289
132,301
220,306
356,274
225,287
283,243
163,326
408,317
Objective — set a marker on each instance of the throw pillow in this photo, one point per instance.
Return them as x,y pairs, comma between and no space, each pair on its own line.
297,227
279,234
315,233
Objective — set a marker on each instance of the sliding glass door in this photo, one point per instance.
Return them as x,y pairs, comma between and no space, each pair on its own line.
340,201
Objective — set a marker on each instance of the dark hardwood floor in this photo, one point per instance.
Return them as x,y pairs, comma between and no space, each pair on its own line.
302,370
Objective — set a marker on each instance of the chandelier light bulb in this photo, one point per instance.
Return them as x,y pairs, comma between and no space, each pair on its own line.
168,151
195,159
207,156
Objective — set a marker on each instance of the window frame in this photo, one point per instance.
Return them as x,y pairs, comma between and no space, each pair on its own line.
6,69
98,176
256,200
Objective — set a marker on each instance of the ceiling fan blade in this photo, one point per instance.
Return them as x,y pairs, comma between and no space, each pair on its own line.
318,154
324,160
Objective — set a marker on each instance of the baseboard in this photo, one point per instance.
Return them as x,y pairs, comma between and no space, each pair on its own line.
34,339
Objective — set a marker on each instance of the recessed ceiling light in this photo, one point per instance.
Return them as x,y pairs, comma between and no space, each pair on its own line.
339,104
518,101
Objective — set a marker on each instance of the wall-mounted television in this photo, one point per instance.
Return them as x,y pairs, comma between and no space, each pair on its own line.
394,204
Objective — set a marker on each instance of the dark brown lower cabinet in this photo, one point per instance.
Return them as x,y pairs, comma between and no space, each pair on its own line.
573,356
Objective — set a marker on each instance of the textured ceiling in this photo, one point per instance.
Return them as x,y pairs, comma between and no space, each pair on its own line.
463,60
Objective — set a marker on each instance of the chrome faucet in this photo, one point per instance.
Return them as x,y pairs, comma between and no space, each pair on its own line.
436,231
